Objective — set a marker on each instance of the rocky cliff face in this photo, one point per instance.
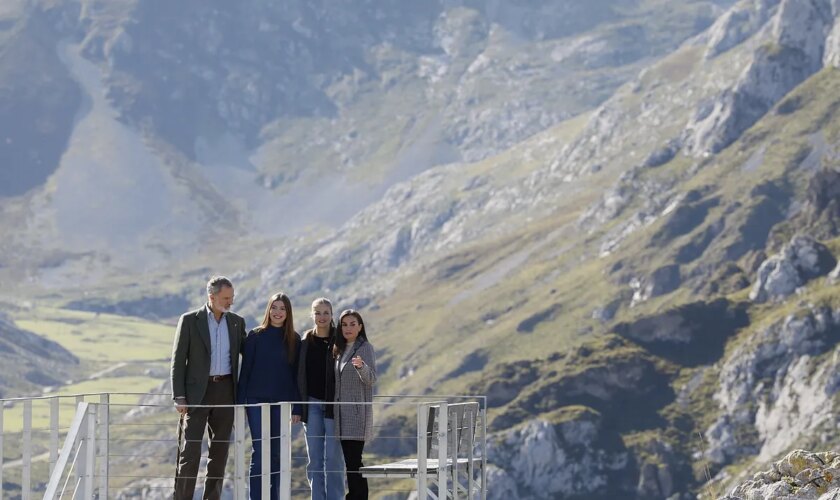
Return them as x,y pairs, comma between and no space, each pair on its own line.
776,385
799,475
572,458
794,40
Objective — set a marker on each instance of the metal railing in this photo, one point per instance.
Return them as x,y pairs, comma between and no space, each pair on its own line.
105,450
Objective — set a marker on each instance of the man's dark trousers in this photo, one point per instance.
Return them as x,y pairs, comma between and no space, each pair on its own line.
219,423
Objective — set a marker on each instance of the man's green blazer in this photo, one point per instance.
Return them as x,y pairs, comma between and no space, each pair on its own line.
190,369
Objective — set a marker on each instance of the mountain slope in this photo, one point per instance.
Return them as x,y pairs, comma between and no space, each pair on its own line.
31,362
492,279
618,280
173,123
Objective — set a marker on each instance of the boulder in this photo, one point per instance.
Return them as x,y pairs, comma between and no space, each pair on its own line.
800,261
664,154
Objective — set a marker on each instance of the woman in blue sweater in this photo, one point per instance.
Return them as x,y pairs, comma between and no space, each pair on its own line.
269,375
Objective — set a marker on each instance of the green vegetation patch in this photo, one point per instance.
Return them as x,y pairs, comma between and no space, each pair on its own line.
101,338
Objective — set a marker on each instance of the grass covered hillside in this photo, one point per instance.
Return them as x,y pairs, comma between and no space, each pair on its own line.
624,231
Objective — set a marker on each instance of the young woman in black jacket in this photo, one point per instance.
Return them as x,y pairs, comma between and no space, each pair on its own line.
316,383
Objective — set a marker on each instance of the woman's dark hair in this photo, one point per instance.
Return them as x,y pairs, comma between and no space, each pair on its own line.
340,341
288,324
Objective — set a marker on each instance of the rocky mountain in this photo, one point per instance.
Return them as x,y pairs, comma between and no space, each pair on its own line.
150,125
619,220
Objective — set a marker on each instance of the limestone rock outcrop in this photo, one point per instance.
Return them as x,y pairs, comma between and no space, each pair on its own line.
778,383
544,460
799,475
800,261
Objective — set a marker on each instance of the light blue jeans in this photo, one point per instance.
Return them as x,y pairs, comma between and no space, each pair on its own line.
325,469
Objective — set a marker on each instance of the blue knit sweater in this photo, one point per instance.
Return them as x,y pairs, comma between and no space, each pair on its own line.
266,375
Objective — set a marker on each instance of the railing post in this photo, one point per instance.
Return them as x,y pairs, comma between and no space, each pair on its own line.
90,454
471,421
456,434
239,482
422,422
54,409
26,448
104,445
483,412
443,424
80,470
285,451
265,455
2,408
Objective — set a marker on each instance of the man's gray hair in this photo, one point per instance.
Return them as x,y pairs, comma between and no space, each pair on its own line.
216,284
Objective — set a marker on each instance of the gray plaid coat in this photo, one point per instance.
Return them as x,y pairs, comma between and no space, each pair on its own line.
355,422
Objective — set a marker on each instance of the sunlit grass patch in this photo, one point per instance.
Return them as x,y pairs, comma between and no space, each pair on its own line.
100,337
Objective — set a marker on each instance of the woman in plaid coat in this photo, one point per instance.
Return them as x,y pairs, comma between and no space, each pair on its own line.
355,374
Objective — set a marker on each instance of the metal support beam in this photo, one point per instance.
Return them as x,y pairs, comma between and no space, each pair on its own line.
265,435
422,422
26,448
240,483
285,451
104,426
443,437
54,414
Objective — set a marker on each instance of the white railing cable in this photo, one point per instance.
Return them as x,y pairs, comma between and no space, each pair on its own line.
67,479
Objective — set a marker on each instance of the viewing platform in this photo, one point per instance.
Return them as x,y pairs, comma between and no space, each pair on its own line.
124,445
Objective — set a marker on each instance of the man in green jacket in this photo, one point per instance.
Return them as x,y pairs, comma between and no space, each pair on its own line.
205,366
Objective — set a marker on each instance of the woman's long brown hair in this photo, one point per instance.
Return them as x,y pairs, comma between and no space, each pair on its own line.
288,324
